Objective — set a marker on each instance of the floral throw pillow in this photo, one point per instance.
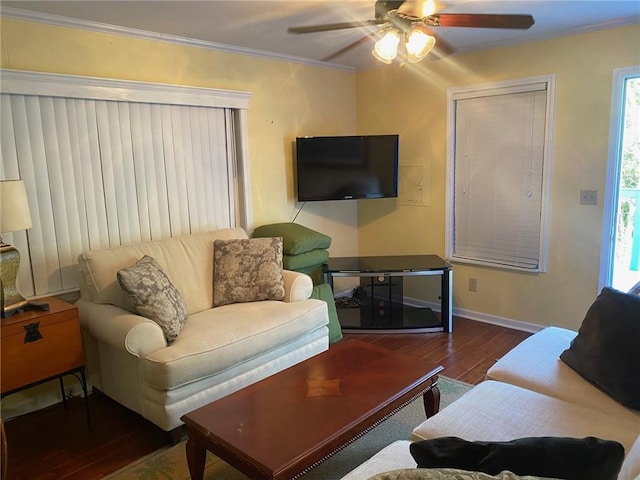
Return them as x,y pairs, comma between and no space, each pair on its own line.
154,296
447,474
247,270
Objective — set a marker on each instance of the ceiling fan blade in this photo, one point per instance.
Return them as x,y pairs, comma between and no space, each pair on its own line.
442,48
481,20
355,44
335,26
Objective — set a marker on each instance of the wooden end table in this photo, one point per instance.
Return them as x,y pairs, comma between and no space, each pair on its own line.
41,345
283,426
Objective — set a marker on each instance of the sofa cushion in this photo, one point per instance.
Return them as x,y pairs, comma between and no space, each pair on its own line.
216,340
247,270
631,466
154,296
535,364
605,350
394,462
186,259
297,238
496,411
313,258
555,457
395,456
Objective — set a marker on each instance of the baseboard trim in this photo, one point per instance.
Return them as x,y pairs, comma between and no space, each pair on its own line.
470,314
38,397
479,316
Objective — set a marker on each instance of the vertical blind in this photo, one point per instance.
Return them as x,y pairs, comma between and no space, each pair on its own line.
498,184
102,173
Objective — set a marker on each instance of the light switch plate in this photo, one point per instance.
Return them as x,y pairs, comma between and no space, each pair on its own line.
413,185
588,197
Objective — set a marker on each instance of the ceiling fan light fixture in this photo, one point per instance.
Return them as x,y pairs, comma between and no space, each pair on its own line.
386,49
429,7
418,44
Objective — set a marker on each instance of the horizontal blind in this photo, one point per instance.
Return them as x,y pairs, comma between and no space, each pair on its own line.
498,178
103,173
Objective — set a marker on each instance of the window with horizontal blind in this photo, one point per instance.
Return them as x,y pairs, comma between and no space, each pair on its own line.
498,165
108,163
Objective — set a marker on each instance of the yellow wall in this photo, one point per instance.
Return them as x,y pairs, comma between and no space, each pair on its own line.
412,102
289,99
292,99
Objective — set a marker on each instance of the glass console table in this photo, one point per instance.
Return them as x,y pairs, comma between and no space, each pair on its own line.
380,304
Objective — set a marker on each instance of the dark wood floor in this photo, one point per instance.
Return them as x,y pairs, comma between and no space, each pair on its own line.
55,443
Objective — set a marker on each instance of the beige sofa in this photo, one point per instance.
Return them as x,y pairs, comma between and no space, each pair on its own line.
218,351
529,392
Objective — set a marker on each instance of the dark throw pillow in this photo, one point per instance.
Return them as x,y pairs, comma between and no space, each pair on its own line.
605,351
554,457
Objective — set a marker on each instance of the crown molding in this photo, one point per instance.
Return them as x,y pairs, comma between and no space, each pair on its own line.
97,88
57,20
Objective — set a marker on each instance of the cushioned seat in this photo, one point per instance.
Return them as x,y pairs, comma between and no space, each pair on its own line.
397,456
243,331
247,319
397,462
392,457
496,411
535,365
533,392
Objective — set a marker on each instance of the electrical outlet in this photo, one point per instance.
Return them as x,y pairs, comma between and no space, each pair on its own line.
588,197
473,284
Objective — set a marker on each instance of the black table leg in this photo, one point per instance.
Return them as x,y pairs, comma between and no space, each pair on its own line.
445,299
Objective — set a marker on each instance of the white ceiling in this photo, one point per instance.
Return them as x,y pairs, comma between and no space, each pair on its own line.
261,26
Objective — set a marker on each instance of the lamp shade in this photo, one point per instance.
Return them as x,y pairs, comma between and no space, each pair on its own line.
14,207
386,49
419,44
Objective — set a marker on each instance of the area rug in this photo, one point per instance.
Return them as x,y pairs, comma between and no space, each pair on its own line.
171,463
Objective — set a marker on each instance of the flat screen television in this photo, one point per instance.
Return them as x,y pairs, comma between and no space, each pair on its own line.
346,167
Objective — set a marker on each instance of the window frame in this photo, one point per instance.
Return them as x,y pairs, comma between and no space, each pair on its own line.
47,274
454,94
614,166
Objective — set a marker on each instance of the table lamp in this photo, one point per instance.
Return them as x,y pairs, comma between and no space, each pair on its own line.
14,216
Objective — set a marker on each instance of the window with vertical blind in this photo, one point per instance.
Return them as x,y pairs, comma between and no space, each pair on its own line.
498,165
108,163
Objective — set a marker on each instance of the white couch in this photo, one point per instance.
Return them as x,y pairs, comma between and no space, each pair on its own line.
219,350
529,392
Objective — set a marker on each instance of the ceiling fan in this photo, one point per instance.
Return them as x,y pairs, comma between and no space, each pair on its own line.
406,28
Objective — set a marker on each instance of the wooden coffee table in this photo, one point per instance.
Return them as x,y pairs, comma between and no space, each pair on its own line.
284,425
